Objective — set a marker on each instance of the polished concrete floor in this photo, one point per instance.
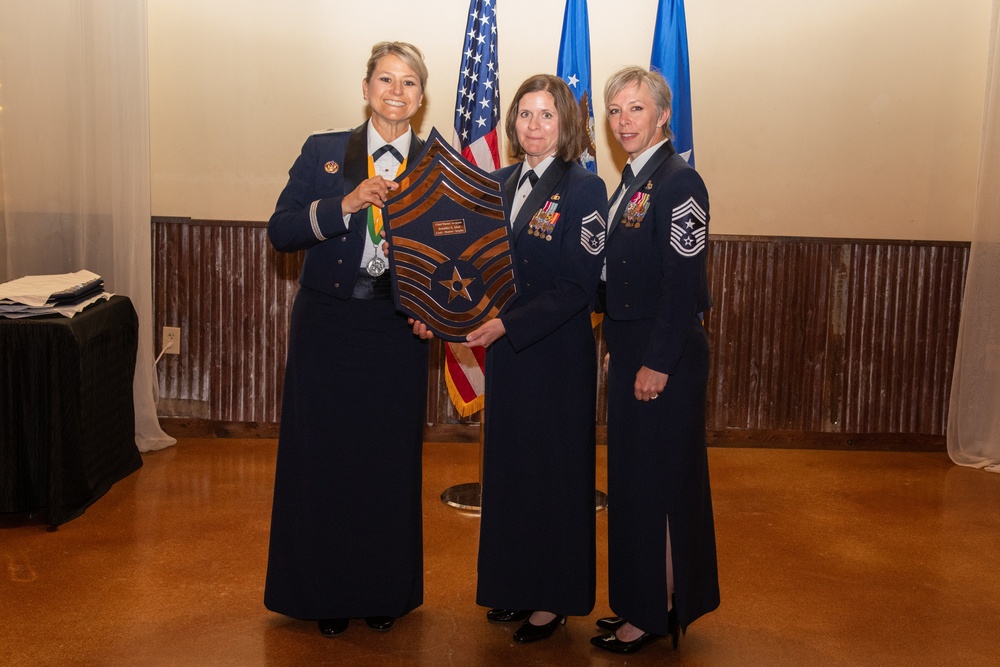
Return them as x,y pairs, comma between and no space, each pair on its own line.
826,558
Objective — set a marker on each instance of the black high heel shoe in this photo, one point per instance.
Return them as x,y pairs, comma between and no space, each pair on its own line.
507,615
613,644
331,627
673,627
529,632
610,623
380,623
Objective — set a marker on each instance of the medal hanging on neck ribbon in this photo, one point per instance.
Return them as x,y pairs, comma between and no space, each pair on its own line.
376,265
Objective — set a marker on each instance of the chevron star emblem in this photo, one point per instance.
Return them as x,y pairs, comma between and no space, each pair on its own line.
450,252
689,228
592,233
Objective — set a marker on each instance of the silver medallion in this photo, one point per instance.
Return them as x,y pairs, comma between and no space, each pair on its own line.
375,267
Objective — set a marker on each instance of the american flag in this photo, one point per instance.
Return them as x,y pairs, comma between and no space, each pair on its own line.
477,115
477,109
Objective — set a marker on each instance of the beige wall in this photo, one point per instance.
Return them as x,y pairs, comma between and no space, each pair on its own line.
842,118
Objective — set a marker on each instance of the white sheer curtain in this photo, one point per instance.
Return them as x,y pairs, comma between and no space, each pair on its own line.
74,157
974,411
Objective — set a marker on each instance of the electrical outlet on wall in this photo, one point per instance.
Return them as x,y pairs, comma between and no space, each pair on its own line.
172,340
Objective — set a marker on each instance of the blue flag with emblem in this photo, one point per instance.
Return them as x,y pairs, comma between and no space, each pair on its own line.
670,58
574,68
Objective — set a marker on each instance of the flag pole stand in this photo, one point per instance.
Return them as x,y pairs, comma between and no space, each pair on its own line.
468,497
600,500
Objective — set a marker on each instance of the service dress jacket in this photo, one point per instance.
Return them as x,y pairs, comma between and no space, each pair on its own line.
308,213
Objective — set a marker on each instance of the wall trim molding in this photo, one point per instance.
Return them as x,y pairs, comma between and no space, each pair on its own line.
180,427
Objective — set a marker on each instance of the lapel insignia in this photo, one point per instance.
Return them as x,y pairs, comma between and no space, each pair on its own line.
331,167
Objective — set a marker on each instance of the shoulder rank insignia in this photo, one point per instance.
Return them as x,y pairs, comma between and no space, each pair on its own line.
688,228
592,233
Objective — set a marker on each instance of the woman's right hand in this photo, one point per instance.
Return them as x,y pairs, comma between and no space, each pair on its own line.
370,192
420,329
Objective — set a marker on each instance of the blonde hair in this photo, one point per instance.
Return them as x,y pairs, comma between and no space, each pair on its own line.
654,81
406,52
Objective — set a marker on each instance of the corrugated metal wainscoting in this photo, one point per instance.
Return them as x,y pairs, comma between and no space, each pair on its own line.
815,342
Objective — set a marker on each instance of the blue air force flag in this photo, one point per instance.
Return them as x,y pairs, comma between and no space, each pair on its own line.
574,68
670,58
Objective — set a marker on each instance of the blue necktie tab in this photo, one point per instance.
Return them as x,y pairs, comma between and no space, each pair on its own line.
379,152
627,177
530,176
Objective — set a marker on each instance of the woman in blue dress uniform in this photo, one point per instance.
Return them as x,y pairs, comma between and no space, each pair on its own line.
537,537
346,538
661,537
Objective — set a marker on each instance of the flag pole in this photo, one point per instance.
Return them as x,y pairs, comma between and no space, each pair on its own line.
573,67
468,497
477,116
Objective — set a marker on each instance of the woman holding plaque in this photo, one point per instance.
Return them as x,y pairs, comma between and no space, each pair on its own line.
537,536
346,537
661,535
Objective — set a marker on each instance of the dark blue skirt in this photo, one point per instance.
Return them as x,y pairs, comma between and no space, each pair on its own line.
346,538
537,545
658,467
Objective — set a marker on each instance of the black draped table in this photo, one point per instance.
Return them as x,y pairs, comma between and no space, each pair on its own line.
67,420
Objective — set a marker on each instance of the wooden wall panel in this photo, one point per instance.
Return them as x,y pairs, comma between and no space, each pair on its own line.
768,334
900,336
833,336
231,295
822,336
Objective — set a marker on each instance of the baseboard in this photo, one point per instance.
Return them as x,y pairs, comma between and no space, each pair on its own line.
888,442
181,427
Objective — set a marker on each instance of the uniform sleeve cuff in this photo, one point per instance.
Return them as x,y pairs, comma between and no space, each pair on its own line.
314,221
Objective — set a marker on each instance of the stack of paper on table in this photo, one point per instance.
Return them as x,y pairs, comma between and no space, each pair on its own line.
64,294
